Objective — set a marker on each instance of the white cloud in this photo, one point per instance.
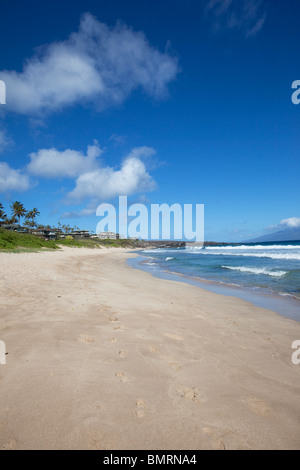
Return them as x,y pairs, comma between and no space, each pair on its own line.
246,15
12,180
219,6
52,163
292,222
118,139
94,182
105,183
82,213
285,224
97,64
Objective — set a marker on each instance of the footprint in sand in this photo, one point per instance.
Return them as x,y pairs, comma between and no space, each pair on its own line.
214,442
171,363
174,365
122,377
191,394
96,441
103,308
112,319
153,349
176,337
122,353
113,340
9,445
140,409
259,406
85,339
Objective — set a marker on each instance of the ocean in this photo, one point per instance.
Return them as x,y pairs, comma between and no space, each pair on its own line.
265,269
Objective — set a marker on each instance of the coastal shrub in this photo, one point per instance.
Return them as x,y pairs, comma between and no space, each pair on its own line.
14,240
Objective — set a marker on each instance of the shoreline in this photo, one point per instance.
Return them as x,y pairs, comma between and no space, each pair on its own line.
287,306
104,356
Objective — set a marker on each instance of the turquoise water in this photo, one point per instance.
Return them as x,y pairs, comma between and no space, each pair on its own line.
265,268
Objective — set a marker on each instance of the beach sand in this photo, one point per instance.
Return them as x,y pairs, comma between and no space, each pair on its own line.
103,356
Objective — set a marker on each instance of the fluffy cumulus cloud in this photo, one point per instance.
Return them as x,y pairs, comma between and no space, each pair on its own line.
292,222
94,181
12,180
97,64
105,183
285,224
52,163
247,16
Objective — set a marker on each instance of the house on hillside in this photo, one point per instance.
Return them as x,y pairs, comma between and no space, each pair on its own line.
80,234
49,234
11,227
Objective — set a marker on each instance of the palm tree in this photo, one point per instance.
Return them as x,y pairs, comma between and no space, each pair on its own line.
30,216
3,216
18,210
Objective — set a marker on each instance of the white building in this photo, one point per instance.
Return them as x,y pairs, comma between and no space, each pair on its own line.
107,235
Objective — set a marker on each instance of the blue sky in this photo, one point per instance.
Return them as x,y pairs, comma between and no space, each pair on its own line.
181,101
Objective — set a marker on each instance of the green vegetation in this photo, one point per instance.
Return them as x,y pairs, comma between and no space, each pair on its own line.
18,210
3,215
123,243
88,243
20,241
96,243
30,218
14,241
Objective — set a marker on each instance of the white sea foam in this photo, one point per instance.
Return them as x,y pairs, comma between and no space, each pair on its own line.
193,248
288,256
254,247
156,250
295,256
265,271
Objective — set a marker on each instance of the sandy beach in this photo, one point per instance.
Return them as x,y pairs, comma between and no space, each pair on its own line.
103,356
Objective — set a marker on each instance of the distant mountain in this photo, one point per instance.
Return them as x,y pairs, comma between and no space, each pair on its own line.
291,234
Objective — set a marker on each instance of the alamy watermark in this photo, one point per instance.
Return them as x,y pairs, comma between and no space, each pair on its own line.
186,221
2,352
296,354
296,94
2,92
